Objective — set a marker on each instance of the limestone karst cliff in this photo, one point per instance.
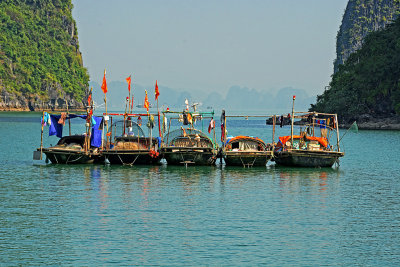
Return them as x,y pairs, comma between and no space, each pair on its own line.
360,18
40,63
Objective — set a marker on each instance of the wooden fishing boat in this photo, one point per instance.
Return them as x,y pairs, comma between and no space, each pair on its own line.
187,145
312,147
72,149
246,151
128,144
307,151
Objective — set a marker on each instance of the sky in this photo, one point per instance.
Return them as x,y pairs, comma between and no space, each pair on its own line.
210,45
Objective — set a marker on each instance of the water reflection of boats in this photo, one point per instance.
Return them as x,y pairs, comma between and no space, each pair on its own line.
309,148
128,144
297,178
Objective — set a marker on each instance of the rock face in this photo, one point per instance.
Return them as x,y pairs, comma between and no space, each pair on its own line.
55,100
360,18
41,66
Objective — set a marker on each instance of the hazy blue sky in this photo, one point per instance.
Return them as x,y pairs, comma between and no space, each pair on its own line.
210,45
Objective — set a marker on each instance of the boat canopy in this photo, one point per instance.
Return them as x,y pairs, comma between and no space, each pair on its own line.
246,143
57,128
185,133
244,137
322,140
126,128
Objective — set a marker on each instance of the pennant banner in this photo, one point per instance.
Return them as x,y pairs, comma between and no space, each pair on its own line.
146,102
156,91
128,80
104,85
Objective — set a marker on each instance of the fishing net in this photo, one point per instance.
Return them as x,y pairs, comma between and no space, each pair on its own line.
354,127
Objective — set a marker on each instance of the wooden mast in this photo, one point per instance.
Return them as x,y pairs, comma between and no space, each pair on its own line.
41,137
69,120
273,132
337,132
291,130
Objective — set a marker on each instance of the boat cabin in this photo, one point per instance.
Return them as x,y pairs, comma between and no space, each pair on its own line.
128,135
72,142
188,138
245,143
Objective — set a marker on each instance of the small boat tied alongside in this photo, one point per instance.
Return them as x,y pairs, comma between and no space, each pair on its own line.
313,146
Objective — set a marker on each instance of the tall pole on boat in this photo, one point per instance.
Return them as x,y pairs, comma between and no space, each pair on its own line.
223,124
69,120
126,114
273,132
159,122
106,117
291,130
41,137
105,89
89,119
337,132
157,93
129,80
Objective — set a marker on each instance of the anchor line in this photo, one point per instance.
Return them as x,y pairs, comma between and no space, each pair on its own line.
129,164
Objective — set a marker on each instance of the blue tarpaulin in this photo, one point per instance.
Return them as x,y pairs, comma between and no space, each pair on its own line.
56,129
95,140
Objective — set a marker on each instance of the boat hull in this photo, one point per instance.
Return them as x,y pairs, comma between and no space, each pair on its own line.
246,159
189,155
65,156
130,157
307,158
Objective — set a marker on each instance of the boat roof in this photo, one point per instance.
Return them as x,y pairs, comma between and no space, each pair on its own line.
322,140
183,132
247,138
118,128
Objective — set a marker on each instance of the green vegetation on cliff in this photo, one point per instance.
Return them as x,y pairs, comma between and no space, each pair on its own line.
360,18
39,48
369,81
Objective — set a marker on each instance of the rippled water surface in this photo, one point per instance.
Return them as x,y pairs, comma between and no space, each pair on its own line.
165,215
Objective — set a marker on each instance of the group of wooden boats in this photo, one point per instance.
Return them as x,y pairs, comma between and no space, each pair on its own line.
120,139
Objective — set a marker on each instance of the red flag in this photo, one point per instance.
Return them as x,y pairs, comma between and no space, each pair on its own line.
104,85
157,92
128,80
211,125
146,102
89,99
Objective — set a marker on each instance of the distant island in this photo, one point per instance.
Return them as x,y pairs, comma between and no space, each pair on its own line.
263,101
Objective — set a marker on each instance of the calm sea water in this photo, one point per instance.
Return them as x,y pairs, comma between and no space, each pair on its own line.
164,215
